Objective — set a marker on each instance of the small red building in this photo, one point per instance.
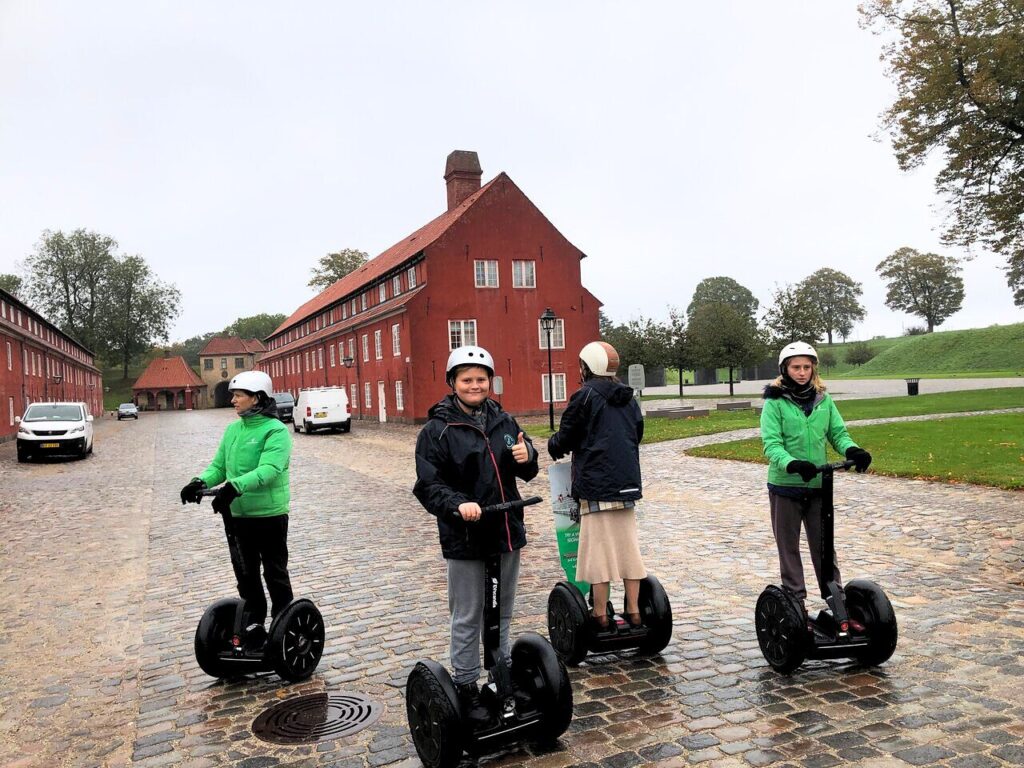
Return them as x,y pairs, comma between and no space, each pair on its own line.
38,362
481,273
169,384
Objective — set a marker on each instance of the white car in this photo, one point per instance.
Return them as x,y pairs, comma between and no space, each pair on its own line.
54,429
321,408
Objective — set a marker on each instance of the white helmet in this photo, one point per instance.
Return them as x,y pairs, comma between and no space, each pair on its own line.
252,381
601,358
797,348
468,356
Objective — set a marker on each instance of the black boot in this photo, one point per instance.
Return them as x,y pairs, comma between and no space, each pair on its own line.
473,710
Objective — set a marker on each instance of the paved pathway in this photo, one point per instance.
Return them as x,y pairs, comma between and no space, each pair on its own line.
848,388
105,575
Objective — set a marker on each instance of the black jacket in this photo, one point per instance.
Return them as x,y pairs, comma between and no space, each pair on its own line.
602,427
456,462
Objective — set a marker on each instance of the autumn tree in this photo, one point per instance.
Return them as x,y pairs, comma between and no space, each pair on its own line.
723,290
958,67
835,295
722,337
793,316
923,284
334,266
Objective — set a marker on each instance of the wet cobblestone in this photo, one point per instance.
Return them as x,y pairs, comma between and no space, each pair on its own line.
105,575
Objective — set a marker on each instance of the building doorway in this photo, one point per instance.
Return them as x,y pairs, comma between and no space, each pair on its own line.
221,396
382,408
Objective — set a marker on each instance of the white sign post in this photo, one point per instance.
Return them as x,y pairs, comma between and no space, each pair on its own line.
637,379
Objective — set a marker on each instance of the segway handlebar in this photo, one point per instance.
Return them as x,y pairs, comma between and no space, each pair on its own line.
847,464
508,506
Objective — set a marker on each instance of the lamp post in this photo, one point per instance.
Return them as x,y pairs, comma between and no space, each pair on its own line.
347,362
57,379
547,322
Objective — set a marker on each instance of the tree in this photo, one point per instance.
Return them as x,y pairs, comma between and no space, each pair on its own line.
255,327
958,66
640,341
334,266
680,352
923,284
12,284
67,282
138,310
826,359
794,316
835,295
723,290
191,347
722,337
858,353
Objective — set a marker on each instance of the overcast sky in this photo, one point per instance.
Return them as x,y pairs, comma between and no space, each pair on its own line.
233,144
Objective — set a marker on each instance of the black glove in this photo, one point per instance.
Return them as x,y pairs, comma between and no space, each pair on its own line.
190,493
861,459
222,501
805,469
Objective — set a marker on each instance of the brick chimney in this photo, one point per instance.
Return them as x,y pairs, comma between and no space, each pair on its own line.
461,175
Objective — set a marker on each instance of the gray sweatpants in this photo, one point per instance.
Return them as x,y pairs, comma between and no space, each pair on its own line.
466,595
787,515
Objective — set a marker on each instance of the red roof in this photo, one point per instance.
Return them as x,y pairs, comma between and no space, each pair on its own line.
168,373
233,345
386,261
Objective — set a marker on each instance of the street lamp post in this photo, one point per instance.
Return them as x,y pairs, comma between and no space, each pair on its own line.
57,379
347,362
547,322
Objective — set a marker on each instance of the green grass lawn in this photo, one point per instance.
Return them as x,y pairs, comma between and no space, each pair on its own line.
984,450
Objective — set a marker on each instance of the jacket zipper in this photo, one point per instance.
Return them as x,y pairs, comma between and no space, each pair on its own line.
497,474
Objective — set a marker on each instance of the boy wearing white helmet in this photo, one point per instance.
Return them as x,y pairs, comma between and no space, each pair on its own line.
252,463
602,427
468,455
799,416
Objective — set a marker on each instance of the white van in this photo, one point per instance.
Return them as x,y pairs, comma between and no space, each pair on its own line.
321,408
54,428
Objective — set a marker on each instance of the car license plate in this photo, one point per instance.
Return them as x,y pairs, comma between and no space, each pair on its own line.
49,445
320,414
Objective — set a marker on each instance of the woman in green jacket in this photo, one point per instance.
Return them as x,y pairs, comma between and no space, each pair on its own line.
797,420
252,463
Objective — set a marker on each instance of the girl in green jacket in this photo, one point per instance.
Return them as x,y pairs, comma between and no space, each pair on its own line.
252,463
798,418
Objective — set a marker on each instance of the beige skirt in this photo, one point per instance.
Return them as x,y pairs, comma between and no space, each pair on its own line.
609,549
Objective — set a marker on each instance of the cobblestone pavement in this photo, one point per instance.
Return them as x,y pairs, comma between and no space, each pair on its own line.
105,575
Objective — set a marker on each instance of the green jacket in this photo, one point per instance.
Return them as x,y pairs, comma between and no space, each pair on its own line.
253,456
790,435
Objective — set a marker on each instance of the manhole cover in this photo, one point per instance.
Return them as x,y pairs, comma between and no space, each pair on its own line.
317,717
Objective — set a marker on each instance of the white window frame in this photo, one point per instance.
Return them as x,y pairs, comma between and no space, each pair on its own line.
559,388
399,396
410,277
396,285
354,310
352,347
520,273
557,335
382,293
396,339
353,395
463,329
366,347
485,273
367,395
332,355
364,302
344,311
10,411
10,357
306,356
321,356
378,345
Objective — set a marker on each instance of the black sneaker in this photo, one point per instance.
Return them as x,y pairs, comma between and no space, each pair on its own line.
473,710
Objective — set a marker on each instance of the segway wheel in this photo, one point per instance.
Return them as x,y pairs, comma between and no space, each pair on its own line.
656,613
538,672
781,629
296,640
213,637
869,605
567,623
431,706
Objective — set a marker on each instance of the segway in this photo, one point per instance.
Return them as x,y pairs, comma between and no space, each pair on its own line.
858,624
227,645
572,633
529,702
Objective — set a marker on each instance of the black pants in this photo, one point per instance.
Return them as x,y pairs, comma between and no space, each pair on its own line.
260,541
787,516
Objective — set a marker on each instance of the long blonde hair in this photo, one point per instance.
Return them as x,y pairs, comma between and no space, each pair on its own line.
816,382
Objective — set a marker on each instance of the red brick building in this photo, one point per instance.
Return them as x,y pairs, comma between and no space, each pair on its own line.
169,384
40,363
482,273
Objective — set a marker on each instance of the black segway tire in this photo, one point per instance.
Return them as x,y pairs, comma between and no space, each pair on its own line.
432,709
656,613
869,605
213,637
781,629
537,671
568,627
295,641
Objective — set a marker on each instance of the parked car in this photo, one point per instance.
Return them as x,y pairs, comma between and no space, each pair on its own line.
54,429
285,405
322,408
127,411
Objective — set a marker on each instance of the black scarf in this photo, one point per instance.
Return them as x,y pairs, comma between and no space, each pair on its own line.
803,396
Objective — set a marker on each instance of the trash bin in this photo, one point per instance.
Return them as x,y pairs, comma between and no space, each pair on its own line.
912,386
